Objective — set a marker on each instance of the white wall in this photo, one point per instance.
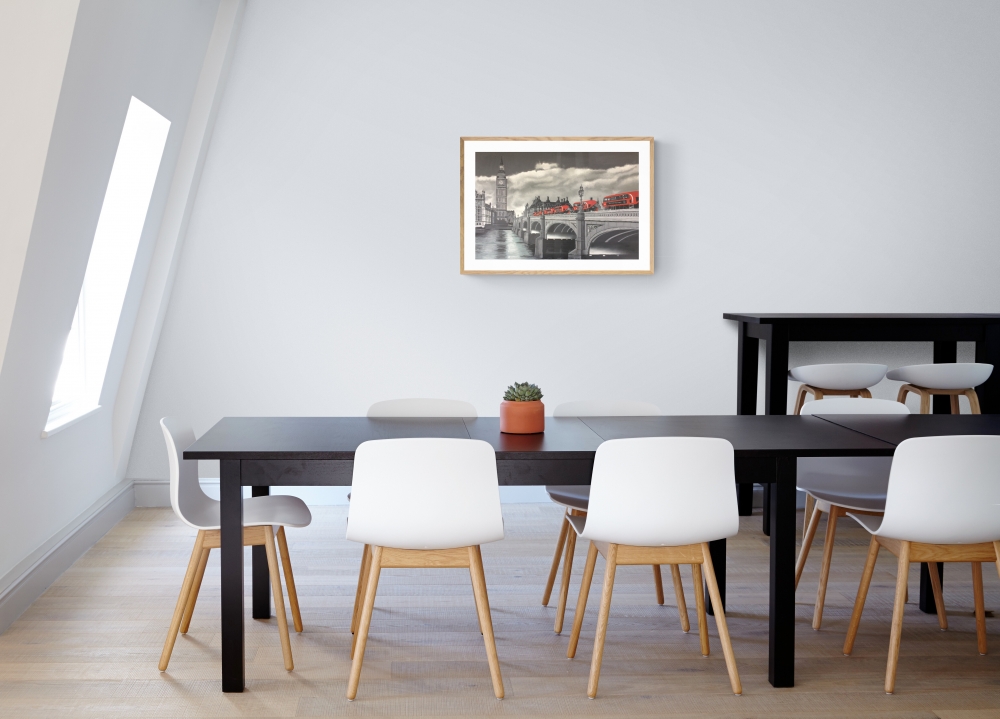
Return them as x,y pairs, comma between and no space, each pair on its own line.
34,44
825,156
153,51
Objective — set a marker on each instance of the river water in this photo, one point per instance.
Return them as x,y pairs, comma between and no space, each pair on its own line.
501,245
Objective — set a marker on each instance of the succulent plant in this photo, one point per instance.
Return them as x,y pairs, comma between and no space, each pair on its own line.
522,392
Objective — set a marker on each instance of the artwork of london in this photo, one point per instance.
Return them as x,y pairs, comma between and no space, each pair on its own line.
557,205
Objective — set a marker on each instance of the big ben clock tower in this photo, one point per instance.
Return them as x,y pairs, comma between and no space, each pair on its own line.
501,198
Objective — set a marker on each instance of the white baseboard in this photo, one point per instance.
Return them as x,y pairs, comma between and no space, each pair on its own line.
35,573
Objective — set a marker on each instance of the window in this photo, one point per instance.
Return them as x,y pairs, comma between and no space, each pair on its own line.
123,214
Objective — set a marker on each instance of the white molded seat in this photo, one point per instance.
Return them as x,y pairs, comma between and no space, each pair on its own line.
843,376
201,512
399,408
946,375
422,408
397,512
658,500
838,485
942,505
575,498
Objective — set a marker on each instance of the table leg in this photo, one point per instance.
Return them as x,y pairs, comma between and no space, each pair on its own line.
927,603
776,395
746,403
781,639
231,550
988,351
718,551
744,499
943,352
261,579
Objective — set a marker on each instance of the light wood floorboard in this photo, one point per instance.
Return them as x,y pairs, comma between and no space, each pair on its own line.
89,646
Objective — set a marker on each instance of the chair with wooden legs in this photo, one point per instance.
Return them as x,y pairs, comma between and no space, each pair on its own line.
575,499
947,378
941,506
658,500
398,512
260,516
397,409
844,379
838,485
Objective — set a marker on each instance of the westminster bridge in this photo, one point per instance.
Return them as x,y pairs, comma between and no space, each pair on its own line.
576,235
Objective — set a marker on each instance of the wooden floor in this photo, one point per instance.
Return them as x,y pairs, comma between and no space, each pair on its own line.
89,646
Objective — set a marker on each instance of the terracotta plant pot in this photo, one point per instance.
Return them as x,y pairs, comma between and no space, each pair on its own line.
522,417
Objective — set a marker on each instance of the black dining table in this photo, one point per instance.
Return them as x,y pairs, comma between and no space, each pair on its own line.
777,330
263,452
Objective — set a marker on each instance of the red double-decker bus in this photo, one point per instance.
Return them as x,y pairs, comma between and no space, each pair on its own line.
622,201
588,205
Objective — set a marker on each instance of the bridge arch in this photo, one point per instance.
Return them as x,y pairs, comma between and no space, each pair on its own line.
560,231
615,242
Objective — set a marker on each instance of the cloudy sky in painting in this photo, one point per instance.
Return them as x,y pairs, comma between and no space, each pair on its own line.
553,175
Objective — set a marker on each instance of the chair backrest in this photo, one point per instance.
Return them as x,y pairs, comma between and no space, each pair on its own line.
422,408
425,493
189,501
606,408
854,405
944,490
662,491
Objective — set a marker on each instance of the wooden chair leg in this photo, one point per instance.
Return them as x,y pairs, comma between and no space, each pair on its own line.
361,637
901,395
682,610
359,594
279,598
581,602
555,560
955,407
564,589
602,619
925,407
658,581
942,616
859,600
286,565
720,621
195,588
824,572
902,575
977,595
866,393
485,620
800,399
807,540
973,401
182,600
996,550
699,603
807,513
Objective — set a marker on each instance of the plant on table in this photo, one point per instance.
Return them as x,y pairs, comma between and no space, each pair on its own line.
522,411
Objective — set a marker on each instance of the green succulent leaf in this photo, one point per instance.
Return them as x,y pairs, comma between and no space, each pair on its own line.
522,392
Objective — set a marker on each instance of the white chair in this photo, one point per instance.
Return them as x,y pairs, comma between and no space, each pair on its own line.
922,523
397,509
575,498
658,500
846,378
401,408
422,408
948,378
260,516
839,485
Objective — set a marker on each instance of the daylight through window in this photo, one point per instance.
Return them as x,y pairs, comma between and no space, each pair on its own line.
123,214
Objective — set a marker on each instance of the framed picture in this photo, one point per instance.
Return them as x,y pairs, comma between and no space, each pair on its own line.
557,205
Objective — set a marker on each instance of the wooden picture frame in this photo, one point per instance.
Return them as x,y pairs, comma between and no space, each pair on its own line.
556,205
